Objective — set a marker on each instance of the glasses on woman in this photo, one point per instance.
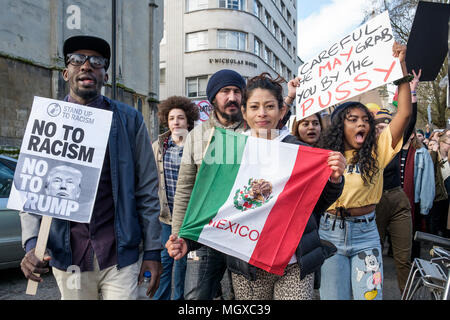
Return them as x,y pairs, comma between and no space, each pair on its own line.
78,59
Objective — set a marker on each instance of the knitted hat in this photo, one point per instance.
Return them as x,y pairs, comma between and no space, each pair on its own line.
223,78
383,116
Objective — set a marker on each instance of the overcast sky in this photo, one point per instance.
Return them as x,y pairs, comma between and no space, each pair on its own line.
321,22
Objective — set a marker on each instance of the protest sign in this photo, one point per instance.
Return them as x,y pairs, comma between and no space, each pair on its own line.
60,160
357,63
205,109
59,165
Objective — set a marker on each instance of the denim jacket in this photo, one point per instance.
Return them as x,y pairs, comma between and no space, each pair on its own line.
424,186
134,182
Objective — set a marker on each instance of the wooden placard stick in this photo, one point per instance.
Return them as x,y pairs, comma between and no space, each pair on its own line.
39,252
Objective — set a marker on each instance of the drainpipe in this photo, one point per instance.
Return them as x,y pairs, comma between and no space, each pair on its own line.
113,43
151,94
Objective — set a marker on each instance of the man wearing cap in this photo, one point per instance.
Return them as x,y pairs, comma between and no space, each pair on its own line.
106,253
224,91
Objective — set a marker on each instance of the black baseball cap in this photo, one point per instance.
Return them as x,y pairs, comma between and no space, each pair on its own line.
75,43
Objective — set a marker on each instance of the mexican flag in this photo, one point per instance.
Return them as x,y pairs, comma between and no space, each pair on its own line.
253,197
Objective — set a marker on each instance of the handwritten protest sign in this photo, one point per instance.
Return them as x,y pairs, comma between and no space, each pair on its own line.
60,160
359,62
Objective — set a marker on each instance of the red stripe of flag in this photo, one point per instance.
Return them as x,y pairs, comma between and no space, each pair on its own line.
287,220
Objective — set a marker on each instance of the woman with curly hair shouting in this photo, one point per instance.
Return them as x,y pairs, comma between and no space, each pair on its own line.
356,271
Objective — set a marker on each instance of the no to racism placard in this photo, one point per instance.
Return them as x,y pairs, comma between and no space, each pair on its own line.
60,160
359,62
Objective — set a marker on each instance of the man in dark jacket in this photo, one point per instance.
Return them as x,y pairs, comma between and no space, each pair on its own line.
105,252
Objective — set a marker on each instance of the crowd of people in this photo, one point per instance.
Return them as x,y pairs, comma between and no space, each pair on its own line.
388,179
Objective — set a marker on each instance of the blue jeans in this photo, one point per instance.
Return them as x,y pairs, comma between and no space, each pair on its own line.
203,276
356,270
169,265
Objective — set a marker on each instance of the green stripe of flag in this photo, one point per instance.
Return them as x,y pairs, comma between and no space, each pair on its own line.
214,181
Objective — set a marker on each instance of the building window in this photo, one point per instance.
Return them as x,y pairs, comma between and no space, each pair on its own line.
267,19
197,41
266,55
275,62
196,87
257,9
258,46
277,32
232,4
284,72
232,40
162,75
192,5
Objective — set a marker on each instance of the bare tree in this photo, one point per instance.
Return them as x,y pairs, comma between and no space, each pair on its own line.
401,13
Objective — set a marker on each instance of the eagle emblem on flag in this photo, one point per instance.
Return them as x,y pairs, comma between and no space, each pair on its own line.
256,193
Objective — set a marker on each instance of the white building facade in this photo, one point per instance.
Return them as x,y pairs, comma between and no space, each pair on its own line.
204,36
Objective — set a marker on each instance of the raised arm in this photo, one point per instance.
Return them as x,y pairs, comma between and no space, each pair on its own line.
401,118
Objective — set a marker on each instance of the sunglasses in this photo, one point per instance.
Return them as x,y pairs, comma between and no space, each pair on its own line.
78,59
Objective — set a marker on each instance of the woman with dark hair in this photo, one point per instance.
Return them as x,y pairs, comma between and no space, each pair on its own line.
356,270
179,115
417,179
437,219
308,129
262,108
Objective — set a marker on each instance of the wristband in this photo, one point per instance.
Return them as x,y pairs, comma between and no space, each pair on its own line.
287,104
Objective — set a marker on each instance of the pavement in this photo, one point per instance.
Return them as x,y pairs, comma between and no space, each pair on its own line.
13,284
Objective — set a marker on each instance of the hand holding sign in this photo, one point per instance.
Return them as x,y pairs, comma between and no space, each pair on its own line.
58,170
32,265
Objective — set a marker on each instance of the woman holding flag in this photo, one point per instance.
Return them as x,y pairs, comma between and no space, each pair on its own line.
289,251
356,271
262,109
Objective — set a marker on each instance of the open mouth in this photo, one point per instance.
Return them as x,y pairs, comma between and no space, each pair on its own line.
360,137
86,80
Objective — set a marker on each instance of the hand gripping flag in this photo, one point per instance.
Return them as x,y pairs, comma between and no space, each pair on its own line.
253,197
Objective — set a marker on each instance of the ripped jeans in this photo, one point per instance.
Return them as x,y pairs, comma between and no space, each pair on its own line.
356,270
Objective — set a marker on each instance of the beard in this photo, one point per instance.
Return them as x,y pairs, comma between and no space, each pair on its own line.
234,117
86,93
